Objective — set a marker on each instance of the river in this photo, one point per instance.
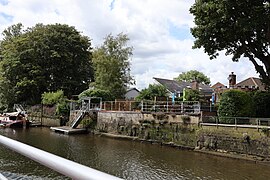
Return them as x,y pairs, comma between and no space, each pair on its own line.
122,158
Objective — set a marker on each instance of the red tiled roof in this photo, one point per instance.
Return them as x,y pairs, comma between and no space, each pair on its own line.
218,85
251,82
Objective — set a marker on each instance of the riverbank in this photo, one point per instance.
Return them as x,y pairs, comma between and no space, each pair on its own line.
185,132
218,152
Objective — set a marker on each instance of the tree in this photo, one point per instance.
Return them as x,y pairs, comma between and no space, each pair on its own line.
193,75
236,103
241,28
192,95
262,104
43,58
112,65
52,98
152,91
104,94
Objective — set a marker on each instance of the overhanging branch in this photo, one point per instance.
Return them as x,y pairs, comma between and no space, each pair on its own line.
258,67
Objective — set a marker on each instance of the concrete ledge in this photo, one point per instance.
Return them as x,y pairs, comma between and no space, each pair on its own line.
118,136
68,130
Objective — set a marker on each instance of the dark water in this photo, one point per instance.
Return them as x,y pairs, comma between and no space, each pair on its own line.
126,159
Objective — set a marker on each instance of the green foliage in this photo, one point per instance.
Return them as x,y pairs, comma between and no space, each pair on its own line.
262,104
112,66
236,103
104,94
192,95
52,98
151,92
88,123
193,75
241,28
43,58
56,99
63,109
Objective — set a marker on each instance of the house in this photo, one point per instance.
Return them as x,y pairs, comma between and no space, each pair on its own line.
249,84
176,88
131,94
218,86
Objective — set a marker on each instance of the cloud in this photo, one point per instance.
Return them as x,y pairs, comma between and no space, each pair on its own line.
158,31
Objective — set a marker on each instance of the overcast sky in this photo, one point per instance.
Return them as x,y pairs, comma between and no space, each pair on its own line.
159,31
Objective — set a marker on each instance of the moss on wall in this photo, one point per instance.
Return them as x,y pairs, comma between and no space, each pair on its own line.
182,132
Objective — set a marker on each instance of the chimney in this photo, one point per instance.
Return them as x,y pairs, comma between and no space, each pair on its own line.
194,85
232,80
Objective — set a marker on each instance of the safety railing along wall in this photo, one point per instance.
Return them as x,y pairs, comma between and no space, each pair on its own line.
248,122
177,107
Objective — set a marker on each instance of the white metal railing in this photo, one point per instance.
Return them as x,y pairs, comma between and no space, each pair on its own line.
188,107
181,107
247,122
18,108
66,167
2,177
77,117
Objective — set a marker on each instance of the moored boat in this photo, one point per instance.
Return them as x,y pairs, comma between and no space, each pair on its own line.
14,119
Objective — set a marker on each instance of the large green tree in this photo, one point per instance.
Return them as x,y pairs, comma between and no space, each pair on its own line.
192,75
240,27
262,104
43,58
152,91
112,65
236,103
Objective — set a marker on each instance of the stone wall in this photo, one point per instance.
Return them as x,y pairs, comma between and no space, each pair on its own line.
48,121
45,121
241,140
185,131
112,121
158,127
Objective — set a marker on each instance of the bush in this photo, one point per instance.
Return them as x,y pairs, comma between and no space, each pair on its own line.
62,108
236,103
57,99
262,104
151,92
52,98
104,94
192,95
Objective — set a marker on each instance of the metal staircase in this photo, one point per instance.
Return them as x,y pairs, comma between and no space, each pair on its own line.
79,116
19,108
87,106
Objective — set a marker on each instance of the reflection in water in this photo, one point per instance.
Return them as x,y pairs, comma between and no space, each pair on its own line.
126,159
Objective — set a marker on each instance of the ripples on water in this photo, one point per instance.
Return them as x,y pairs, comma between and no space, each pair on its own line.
126,159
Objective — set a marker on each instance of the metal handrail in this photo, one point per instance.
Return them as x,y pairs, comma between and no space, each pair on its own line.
64,166
77,117
2,177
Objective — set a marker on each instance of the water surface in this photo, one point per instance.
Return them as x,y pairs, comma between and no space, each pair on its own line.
122,158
